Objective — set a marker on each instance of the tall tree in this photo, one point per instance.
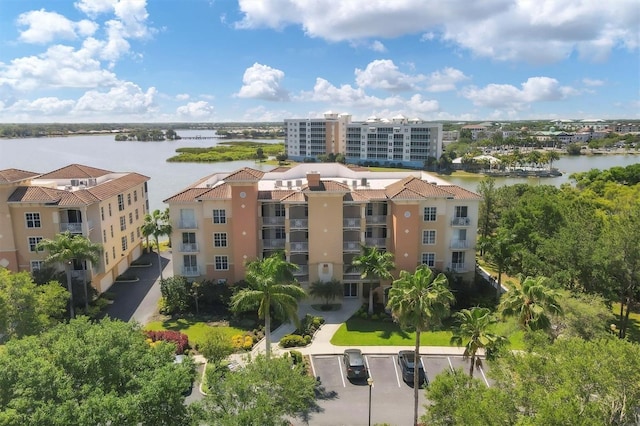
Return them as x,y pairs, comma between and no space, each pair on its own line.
272,286
157,224
500,251
532,304
86,251
327,291
374,265
473,328
488,218
419,301
63,250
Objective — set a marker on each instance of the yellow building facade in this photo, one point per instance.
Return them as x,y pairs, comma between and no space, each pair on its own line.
320,215
106,207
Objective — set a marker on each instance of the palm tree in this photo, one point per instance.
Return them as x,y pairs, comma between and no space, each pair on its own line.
532,304
374,265
157,225
419,301
327,291
473,326
63,250
271,286
551,157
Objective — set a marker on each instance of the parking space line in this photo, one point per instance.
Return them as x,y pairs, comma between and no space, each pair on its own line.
344,385
483,376
395,368
451,365
369,371
313,369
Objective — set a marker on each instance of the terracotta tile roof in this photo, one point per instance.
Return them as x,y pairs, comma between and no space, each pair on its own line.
406,194
115,186
295,197
15,175
372,194
461,193
245,174
277,194
327,185
280,169
189,194
220,192
416,186
75,171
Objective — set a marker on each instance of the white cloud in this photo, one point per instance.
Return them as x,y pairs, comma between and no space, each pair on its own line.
195,111
182,97
263,82
43,106
95,7
506,96
541,31
384,74
44,27
445,80
347,96
126,98
592,82
377,46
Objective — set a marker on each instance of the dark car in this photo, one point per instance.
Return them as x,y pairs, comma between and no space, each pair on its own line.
406,359
354,363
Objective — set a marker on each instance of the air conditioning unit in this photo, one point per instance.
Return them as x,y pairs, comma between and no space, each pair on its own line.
68,187
83,182
221,281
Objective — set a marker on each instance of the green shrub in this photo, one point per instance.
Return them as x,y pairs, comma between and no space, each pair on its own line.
296,357
292,340
307,339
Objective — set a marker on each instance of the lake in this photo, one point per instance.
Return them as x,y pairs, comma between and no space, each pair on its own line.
149,158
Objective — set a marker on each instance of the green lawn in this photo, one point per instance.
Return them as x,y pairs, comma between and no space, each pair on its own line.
194,328
633,331
364,332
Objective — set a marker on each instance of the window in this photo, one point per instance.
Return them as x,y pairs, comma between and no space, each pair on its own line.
350,289
280,211
135,196
220,239
189,241
461,211
429,214
138,232
187,218
123,223
111,226
113,252
132,238
124,243
36,265
137,216
429,259
130,218
129,199
280,233
33,220
222,263
219,216
104,235
102,213
109,209
457,258
33,243
429,236
106,258
120,202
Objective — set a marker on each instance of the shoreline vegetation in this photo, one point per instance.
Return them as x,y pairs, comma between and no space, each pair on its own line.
228,151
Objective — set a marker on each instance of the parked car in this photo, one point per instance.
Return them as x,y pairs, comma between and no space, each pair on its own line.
407,362
354,363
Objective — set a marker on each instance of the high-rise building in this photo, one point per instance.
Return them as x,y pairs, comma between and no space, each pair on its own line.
320,215
410,142
106,207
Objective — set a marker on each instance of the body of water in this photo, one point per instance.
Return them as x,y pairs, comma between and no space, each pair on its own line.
42,155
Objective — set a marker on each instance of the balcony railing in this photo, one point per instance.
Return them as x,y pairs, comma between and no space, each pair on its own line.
276,243
381,220
351,271
460,244
301,271
457,267
189,247
351,223
190,271
375,242
460,221
351,246
299,247
187,224
272,220
74,228
299,223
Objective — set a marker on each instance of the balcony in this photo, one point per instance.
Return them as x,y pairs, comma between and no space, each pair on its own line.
351,246
460,221
299,247
351,223
460,244
302,271
375,242
187,224
273,220
457,267
350,271
190,271
274,243
74,228
189,247
299,223
376,220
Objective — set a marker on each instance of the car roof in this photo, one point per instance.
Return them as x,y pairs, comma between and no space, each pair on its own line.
355,356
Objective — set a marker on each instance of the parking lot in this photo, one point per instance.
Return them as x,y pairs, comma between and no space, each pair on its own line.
345,402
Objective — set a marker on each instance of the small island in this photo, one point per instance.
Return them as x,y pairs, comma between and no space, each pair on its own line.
228,151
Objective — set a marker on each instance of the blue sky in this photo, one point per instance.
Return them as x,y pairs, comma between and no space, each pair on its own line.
266,60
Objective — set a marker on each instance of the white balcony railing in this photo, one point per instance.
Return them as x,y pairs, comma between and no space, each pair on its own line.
276,243
351,271
74,228
376,219
351,223
187,224
353,246
460,221
299,246
190,271
457,267
299,223
189,247
273,220
301,271
460,244
375,242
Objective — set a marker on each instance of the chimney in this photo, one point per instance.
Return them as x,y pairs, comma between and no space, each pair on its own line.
313,179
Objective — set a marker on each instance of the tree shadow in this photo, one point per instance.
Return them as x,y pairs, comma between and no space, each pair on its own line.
321,394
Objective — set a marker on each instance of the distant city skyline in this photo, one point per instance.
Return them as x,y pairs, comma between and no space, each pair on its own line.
267,60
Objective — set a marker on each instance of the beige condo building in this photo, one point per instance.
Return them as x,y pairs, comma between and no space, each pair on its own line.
106,207
319,215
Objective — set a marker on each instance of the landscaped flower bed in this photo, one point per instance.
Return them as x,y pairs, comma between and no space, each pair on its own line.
181,340
303,335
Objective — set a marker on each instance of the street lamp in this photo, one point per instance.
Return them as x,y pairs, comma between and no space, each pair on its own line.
370,383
